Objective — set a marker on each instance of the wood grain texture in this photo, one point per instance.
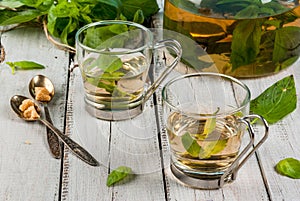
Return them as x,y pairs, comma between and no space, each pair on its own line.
250,184
27,170
283,141
133,143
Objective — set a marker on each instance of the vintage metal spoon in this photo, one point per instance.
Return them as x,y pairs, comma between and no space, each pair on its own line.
77,150
43,81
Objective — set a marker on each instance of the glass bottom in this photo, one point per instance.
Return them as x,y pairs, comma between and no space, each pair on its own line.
97,110
201,181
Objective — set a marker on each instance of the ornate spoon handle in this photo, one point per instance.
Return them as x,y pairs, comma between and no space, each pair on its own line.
52,138
77,150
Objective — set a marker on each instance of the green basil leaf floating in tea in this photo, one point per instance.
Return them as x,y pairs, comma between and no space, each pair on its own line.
197,151
190,145
289,167
277,101
117,175
24,65
210,124
212,148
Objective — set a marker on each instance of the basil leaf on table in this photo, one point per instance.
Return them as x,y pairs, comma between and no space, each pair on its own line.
289,167
117,175
277,101
24,65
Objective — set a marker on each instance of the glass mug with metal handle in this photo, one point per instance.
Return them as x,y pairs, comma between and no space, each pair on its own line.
114,57
206,115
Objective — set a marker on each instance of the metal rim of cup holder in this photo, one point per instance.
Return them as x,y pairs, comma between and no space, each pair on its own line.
231,173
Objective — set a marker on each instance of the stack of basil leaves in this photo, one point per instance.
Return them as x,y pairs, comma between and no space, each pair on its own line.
65,17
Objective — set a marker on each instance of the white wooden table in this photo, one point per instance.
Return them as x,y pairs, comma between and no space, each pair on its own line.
29,173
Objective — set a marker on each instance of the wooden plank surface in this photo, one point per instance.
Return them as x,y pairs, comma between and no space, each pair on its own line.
283,142
27,170
133,143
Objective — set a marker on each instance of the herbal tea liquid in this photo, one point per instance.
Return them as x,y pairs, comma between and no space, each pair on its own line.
203,145
112,89
256,44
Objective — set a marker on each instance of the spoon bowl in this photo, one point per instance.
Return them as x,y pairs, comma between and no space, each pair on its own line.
78,151
15,103
41,81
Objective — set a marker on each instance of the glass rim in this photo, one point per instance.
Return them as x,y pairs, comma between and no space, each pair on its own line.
246,99
110,22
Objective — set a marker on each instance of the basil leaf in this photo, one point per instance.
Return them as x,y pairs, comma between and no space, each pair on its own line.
105,9
289,167
24,65
210,125
117,175
243,53
129,7
277,101
9,17
212,148
10,4
287,40
190,145
139,17
108,63
39,4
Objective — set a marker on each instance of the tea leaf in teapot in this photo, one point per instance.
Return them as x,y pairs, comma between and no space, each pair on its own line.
243,53
287,40
289,167
277,101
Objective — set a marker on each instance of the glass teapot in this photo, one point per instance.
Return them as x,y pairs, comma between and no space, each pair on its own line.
243,38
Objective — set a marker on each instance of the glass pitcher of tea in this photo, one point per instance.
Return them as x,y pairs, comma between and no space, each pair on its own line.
243,38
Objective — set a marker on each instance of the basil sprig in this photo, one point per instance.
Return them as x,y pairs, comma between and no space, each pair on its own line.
64,18
24,65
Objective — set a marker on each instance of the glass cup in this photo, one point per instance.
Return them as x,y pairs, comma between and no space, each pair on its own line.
206,115
114,57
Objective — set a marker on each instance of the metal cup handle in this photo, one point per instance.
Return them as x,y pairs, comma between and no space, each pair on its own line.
231,172
176,47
